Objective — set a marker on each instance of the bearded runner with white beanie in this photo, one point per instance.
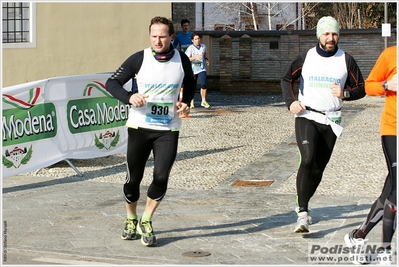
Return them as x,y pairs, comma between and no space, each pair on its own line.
328,76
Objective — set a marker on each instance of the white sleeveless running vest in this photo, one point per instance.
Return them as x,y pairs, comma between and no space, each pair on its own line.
319,74
317,77
161,81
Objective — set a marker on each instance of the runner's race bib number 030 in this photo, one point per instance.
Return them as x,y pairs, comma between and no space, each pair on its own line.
159,113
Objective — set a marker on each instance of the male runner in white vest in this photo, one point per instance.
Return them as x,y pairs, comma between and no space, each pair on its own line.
327,76
157,74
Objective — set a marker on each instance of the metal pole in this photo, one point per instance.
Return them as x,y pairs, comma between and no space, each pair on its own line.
203,16
74,167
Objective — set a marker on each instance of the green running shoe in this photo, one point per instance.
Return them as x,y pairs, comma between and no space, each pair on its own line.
205,104
129,233
147,234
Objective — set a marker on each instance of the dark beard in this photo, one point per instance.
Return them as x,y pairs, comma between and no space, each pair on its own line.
324,47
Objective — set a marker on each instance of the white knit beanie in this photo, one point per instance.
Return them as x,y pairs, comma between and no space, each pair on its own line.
327,24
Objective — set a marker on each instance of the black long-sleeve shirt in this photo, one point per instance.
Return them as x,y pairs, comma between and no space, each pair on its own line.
129,69
354,82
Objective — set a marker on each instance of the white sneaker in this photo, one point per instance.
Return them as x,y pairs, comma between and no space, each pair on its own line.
357,254
302,224
309,217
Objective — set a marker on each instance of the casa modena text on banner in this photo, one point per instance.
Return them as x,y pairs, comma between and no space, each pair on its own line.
61,118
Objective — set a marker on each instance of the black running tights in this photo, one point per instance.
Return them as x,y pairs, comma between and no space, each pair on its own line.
385,206
316,143
140,143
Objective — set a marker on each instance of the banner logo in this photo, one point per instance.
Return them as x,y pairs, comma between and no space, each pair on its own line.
28,120
61,118
34,94
106,140
99,111
16,157
95,113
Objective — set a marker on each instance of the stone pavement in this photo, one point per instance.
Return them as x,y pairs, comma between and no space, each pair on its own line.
78,221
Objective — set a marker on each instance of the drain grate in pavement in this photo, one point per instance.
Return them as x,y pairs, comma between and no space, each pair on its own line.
257,183
197,253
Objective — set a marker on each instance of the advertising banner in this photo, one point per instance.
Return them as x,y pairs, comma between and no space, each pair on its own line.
61,118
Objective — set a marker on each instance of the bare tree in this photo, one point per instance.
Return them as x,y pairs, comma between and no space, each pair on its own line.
250,9
261,15
305,15
274,10
346,14
352,15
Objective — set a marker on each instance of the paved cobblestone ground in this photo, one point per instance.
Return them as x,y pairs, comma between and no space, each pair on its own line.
236,130
54,216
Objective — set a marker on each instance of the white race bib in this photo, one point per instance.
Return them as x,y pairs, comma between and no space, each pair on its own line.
159,112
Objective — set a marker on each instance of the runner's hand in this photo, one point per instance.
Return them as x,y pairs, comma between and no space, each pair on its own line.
297,107
183,109
393,83
138,100
337,91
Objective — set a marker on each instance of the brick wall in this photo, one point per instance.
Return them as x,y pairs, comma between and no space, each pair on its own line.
252,62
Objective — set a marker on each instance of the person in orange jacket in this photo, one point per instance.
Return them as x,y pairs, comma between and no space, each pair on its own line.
381,81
